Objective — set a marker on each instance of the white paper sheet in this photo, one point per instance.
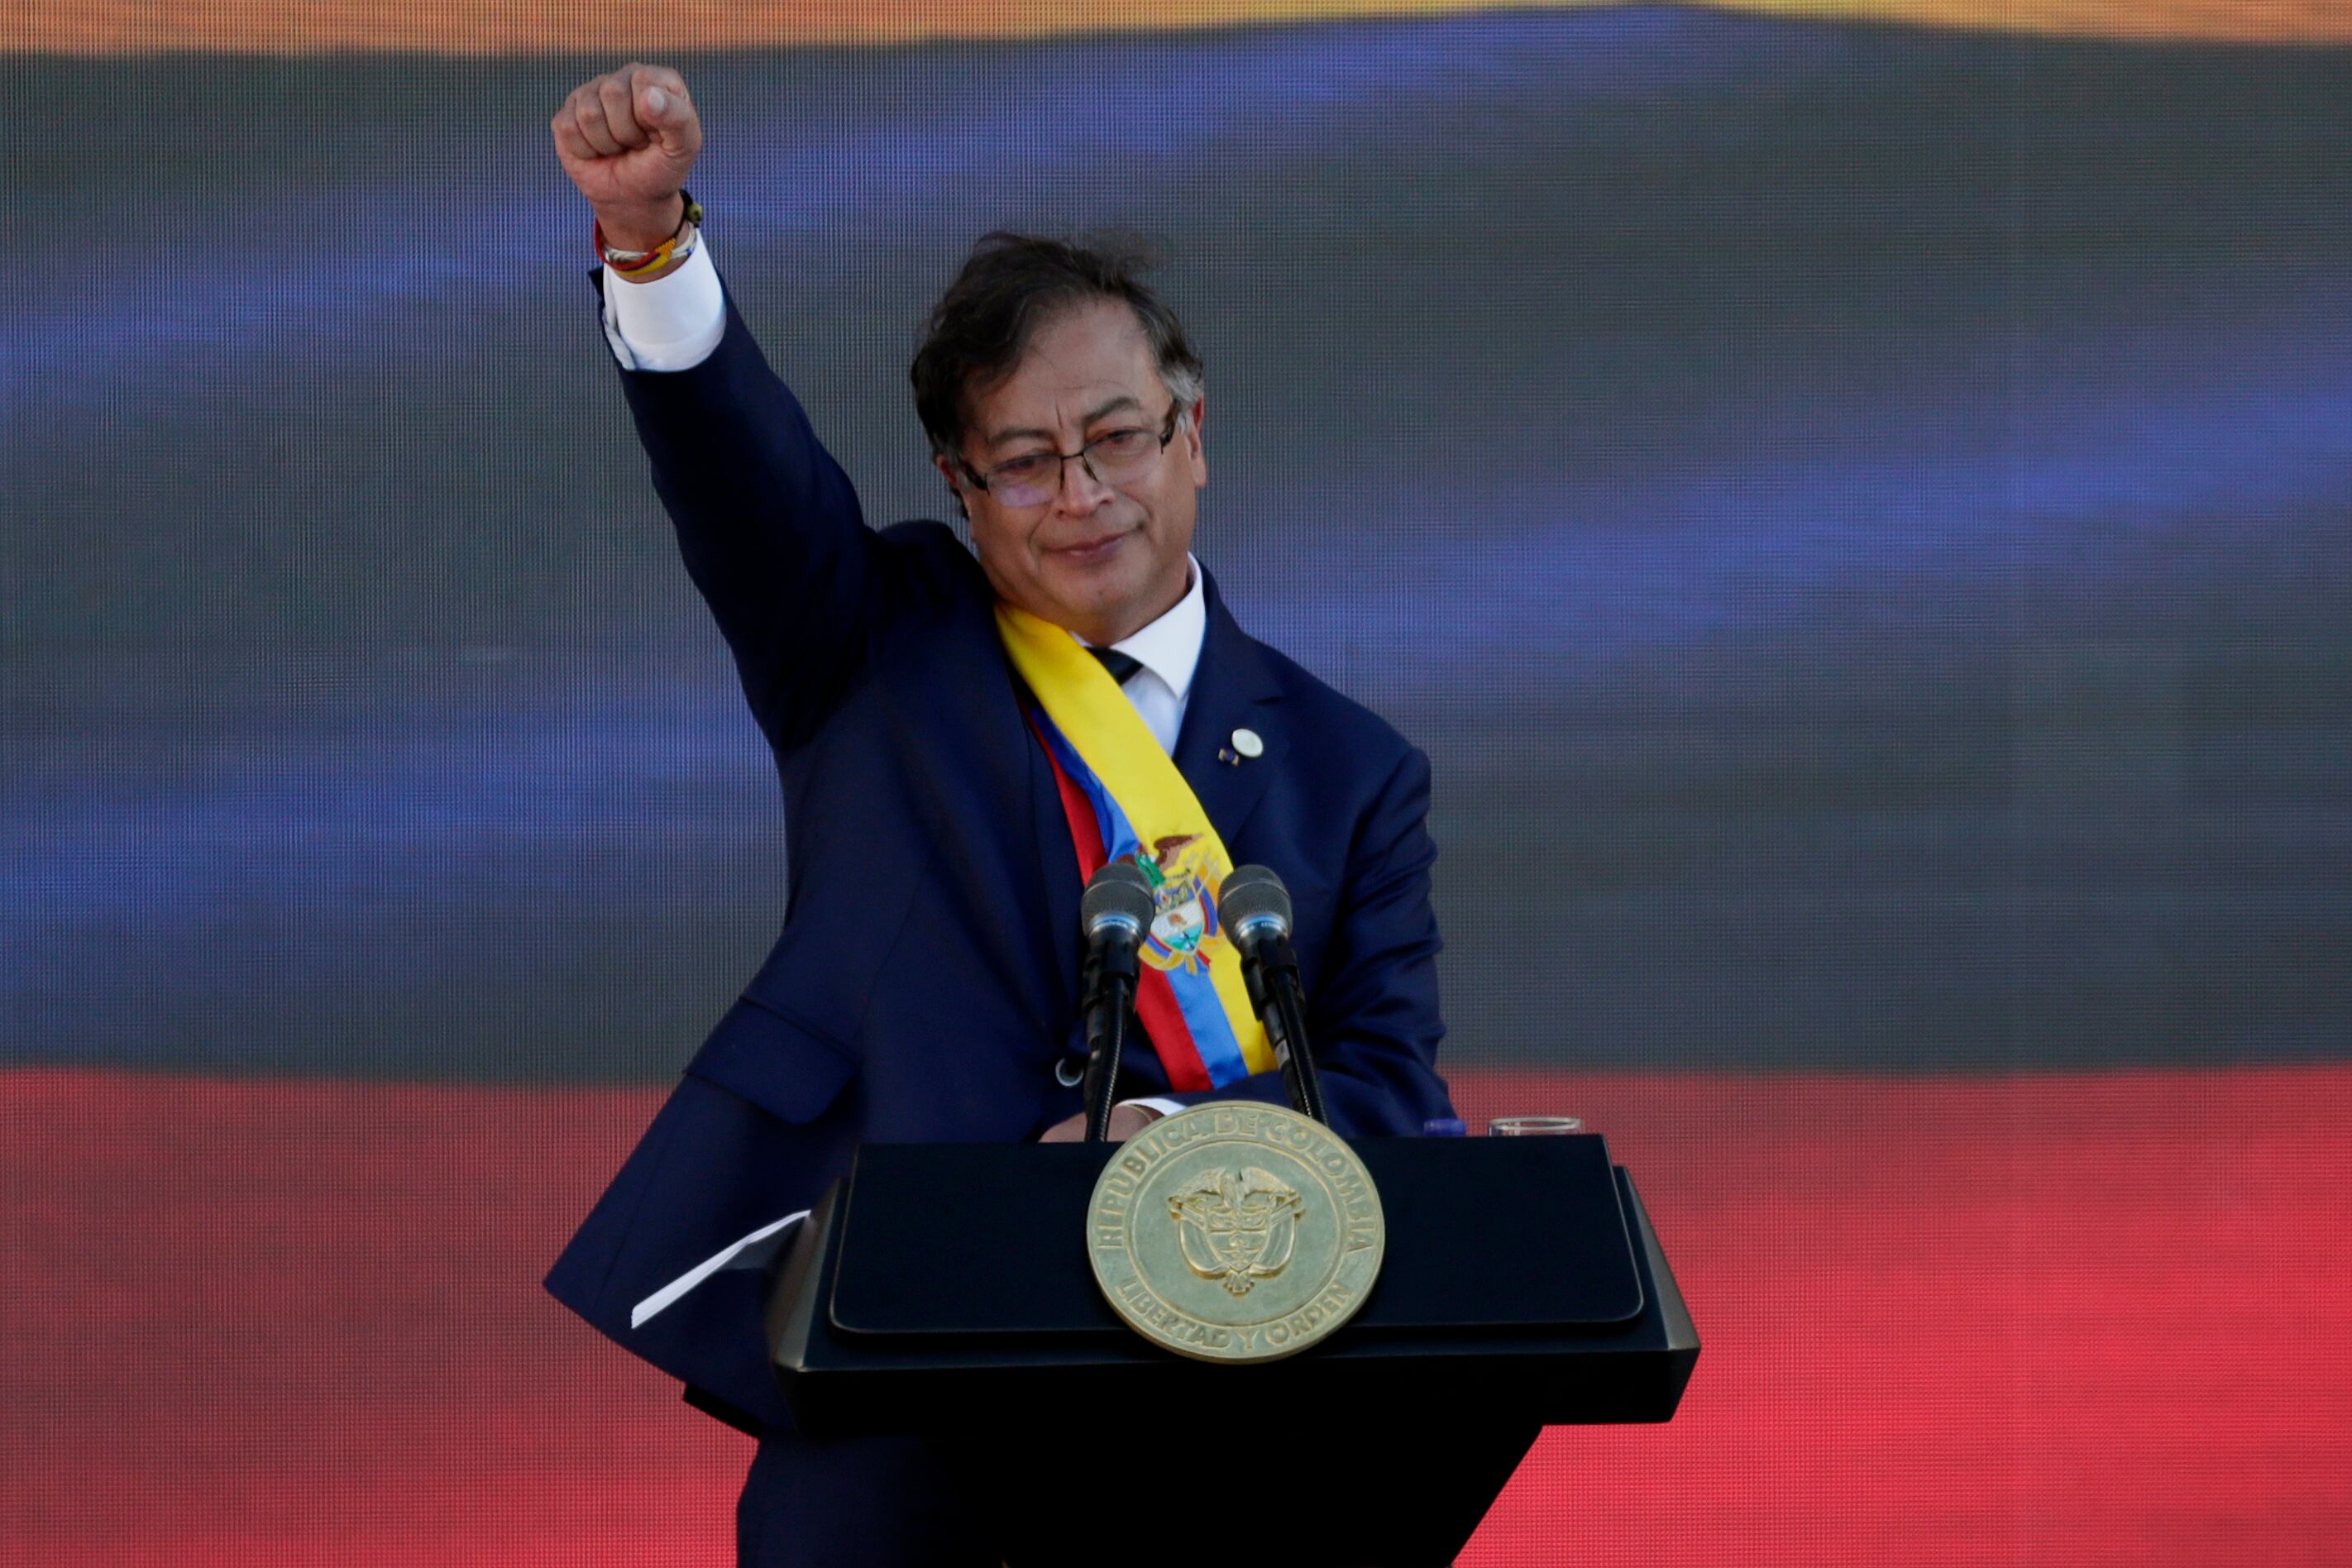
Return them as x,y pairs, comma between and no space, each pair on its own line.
754,1251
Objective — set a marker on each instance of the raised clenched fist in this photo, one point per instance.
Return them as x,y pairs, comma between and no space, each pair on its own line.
628,138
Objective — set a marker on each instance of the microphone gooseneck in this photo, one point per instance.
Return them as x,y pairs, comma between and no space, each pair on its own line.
1255,909
1113,914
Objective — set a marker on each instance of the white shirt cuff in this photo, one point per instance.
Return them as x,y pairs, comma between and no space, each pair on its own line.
1164,1107
671,323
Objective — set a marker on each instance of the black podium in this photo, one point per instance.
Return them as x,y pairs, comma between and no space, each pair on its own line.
944,1290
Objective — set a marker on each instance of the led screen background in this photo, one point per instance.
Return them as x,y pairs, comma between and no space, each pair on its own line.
1859,512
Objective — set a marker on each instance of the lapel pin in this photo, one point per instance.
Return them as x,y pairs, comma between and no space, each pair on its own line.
1247,744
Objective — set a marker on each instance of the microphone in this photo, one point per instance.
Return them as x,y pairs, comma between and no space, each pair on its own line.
1114,912
1255,908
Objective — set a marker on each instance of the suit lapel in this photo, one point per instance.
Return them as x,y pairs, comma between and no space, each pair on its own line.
1058,858
1055,858
1232,690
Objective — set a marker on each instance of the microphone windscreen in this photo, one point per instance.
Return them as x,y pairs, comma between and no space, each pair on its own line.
1118,894
1251,895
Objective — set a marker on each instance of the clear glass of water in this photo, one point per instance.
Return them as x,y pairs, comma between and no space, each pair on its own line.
1534,1126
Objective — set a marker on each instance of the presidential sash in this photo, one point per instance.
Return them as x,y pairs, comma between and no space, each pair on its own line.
1125,800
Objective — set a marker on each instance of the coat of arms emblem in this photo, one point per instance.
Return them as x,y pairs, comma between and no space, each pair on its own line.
1238,1227
1235,1232
1184,870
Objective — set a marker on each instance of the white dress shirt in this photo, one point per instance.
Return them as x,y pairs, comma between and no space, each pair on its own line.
1168,650
674,322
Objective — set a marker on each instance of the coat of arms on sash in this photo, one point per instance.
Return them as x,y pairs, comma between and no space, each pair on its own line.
1235,1231
1184,873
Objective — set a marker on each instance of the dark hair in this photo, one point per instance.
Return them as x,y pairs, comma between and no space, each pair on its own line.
1011,285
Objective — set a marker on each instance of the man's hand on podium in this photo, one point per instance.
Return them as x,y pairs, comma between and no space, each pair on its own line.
1126,1122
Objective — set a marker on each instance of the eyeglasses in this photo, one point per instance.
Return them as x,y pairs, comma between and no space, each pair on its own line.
1114,458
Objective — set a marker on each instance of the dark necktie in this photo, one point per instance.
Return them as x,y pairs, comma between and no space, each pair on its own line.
1122,666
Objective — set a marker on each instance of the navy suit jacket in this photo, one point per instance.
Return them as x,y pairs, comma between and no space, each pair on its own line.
926,982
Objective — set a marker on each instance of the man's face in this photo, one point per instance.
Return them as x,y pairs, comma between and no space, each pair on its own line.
1104,562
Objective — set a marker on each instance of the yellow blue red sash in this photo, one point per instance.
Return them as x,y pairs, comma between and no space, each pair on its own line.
1125,800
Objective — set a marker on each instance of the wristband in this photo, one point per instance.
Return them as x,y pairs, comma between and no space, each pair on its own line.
676,248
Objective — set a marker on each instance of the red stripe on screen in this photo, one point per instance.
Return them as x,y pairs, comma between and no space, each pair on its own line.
2091,1318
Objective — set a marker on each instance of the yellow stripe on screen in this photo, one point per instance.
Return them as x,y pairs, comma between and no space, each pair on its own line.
504,28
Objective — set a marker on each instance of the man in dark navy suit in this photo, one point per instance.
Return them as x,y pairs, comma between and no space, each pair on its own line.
925,984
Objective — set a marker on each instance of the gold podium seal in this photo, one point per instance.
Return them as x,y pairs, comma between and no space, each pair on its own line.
1235,1231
